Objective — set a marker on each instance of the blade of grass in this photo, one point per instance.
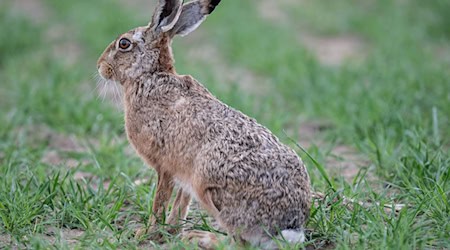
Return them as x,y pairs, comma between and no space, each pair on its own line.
319,167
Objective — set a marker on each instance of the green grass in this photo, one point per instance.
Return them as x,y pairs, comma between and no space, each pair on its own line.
392,107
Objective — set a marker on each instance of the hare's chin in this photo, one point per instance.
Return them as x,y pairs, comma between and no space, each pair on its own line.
101,76
104,77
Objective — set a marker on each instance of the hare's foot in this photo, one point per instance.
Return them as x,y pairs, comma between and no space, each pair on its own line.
141,233
157,231
152,233
203,239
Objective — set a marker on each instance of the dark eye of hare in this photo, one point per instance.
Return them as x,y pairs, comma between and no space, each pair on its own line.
124,44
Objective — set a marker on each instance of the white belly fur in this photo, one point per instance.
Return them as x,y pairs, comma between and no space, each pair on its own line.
187,187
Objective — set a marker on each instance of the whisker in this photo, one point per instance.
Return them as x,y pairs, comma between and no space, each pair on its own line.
98,83
114,88
94,75
102,83
119,95
107,89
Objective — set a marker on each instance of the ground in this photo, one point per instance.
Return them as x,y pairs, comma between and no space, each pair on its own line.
360,90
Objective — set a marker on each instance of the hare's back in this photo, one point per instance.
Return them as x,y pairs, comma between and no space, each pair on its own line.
239,153
258,176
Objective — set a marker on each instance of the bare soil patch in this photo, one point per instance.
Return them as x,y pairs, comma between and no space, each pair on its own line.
63,44
69,236
52,236
34,9
271,11
6,242
245,79
345,161
58,146
334,50
274,11
329,50
442,52
58,36
341,160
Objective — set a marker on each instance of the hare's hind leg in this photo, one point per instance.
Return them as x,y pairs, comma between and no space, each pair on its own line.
160,203
205,199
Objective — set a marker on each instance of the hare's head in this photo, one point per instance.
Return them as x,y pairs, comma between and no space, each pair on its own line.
147,49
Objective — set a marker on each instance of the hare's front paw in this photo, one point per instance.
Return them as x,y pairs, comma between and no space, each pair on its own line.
141,233
148,233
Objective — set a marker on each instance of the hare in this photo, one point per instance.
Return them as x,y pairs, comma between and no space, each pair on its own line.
253,185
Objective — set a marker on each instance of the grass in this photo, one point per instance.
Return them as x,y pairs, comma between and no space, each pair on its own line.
392,108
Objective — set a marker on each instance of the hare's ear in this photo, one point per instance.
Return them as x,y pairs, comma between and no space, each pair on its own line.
166,15
192,15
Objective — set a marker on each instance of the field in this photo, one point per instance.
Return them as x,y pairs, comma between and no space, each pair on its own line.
360,89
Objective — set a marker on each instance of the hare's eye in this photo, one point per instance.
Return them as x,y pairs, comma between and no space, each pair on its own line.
124,44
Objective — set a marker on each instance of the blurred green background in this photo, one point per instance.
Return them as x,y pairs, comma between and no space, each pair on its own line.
363,86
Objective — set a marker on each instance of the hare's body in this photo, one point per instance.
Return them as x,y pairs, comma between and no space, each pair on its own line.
181,130
235,168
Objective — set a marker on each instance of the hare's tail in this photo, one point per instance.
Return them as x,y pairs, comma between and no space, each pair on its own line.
263,241
293,235
287,236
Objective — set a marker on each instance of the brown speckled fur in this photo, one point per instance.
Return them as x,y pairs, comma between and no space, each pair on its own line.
235,168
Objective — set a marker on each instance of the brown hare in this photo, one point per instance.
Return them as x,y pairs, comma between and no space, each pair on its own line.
253,185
